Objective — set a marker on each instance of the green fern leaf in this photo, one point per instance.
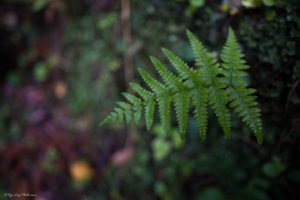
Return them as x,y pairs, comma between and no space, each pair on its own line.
217,99
163,98
120,114
164,103
149,113
185,72
232,59
127,110
149,103
137,105
246,107
111,118
209,84
153,84
105,121
181,102
199,99
210,67
145,94
242,100
169,78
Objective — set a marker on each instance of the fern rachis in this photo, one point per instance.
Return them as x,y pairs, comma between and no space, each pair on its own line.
217,85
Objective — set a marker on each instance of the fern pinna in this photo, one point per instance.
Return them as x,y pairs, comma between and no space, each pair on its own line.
221,86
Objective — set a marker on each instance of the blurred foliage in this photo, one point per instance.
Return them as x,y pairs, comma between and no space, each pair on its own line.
62,71
91,59
273,168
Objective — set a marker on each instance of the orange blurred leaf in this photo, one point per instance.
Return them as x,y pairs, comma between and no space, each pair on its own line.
81,171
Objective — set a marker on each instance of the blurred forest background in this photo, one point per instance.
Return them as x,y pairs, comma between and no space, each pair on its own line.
64,63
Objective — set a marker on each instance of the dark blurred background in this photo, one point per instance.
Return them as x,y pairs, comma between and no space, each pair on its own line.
65,62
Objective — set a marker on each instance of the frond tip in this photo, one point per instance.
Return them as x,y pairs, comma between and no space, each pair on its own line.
218,85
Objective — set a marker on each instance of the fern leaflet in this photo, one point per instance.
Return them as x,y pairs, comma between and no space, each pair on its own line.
241,99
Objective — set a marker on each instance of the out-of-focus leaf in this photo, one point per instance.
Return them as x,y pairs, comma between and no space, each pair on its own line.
271,15
40,4
177,141
107,21
161,148
210,193
159,130
40,72
160,188
224,6
232,5
13,78
251,3
48,164
274,167
268,2
52,61
197,3
81,171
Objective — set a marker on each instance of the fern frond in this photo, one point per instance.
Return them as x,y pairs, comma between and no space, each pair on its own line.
115,116
153,84
120,114
169,78
111,118
127,110
242,100
184,71
137,105
210,69
209,84
245,106
217,99
149,112
181,102
149,103
162,97
232,58
164,103
199,99
145,94
138,108
106,120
